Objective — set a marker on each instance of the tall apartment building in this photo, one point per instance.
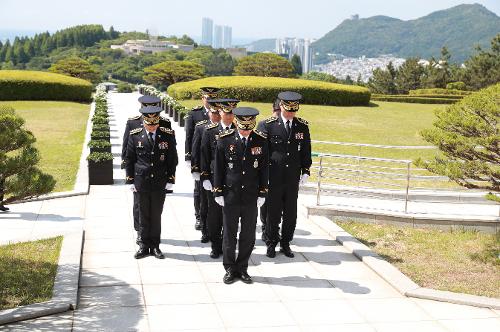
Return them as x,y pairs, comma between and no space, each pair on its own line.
217,42
227,36
207,31
299,46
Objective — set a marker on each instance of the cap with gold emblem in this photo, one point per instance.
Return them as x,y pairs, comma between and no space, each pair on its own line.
226,105
209,92
151,114
245,117
290,100
149,100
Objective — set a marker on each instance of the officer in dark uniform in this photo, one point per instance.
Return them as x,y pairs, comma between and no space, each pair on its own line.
290,159
207,161
196,167
2,189
134,123
194,116
151,160
263,208
240,187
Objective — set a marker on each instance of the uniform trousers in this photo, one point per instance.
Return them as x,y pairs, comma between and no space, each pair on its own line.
233,214
214,223
281,202
150,210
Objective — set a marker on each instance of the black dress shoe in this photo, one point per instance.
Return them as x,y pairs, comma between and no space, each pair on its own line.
168,191
246,278
271,252
138,239
157,253
197,225
214,254
287,251
3,208
264,237
141,253
229,277
205,238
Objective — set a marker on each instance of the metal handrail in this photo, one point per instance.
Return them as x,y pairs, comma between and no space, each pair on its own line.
402,147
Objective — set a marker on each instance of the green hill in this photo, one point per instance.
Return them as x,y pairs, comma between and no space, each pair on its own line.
459,28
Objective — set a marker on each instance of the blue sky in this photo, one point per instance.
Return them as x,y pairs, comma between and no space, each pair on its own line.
249,19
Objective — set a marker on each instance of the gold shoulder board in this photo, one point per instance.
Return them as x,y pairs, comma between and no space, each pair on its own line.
135,131
271,119
199,123
226,133
303,121
164,119
166,130
212,125
135,117
260,133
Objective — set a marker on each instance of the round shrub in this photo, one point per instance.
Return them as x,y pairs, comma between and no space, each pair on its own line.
265,89
99,144
99,157
37,85
438,91
456,86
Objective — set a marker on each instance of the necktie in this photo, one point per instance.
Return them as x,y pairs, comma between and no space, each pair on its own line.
244,141
152,138
288,127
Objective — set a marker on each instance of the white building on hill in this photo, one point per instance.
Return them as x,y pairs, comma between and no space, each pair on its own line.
139,46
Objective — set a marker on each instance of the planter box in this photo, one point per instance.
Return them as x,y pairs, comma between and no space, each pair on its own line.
108,149
176,116
101,173
181,120
170,111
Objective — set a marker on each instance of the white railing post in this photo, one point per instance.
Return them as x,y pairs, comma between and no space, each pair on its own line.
407,185
320,173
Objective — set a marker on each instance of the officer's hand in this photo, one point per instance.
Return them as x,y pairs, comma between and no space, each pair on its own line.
169,186
196,176
220,200
132,188
260,201
207,185
303,178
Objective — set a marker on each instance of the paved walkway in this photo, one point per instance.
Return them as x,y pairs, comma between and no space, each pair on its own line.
324,288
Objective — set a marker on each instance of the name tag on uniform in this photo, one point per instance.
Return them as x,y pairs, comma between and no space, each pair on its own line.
257,150
230,165
299,135
255,163
232,148
139,144
163,145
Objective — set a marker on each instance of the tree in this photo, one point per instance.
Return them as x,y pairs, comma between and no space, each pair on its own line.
19,159
296,64
317,76
483,68
409,76
383,80
264,64
76,67
438,73
467,134
169,72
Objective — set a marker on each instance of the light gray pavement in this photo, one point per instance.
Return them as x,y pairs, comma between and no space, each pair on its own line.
324,288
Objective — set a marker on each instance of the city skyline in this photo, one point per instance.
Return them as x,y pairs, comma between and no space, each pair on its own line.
255,20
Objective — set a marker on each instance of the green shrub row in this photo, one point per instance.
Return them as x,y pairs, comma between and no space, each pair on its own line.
456,86
266,89
37,85
413,99
378,96
99,144
100,156
437,91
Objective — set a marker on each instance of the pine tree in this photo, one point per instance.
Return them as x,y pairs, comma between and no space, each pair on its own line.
19,159
297,64
467,134
409,76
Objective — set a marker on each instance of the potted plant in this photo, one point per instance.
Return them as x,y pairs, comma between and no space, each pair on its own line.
100,127
101,135
99,145
100,168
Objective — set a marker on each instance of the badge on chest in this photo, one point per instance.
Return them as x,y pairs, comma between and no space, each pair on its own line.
299,135
163,145
257,150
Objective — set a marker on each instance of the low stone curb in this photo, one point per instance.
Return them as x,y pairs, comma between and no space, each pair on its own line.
392,275
65,292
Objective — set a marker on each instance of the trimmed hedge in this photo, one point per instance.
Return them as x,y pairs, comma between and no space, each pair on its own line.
413,99
437,91
37,85
265,89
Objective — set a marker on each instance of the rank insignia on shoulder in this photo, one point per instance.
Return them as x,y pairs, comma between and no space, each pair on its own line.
135,131
166,130
164,118
226,133
134,117
199,123
260,133
303,121
271,119
197,108
212,125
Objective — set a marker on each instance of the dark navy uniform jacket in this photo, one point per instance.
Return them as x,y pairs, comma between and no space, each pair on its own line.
289,155
241,175
149,167
134,123
199,129
194,116
208,147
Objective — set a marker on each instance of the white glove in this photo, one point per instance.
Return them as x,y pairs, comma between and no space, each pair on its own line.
196,176
303,178
220,200
169,186
207,185
260,201
132,188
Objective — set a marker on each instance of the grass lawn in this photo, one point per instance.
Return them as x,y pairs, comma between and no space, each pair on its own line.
59,128
27,271
456,261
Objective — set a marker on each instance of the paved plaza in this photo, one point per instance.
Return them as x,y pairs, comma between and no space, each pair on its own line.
324,288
